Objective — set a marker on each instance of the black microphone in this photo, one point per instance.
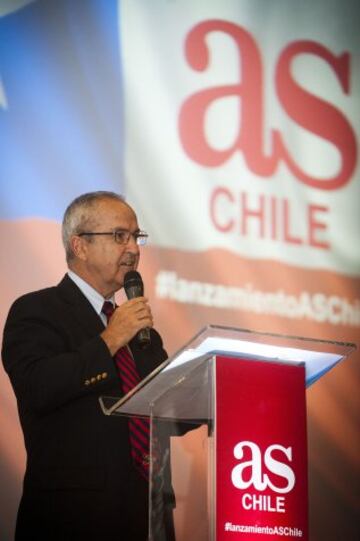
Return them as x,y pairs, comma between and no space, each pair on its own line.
134,287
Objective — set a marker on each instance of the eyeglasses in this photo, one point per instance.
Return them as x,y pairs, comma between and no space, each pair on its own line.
121,236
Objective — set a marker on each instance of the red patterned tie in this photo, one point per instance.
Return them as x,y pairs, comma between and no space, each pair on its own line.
139,429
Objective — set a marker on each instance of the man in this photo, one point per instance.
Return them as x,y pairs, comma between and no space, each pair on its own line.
59,349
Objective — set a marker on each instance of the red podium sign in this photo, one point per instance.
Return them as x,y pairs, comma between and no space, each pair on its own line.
261,451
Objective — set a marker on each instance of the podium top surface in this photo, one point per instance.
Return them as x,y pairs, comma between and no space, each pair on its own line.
318,357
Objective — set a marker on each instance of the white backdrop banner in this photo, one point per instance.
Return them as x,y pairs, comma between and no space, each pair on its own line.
242,121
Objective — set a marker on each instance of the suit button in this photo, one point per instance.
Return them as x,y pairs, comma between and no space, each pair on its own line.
104,375
93,380
98,377
87,382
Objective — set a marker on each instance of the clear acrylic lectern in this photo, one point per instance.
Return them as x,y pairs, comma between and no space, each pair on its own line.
188,399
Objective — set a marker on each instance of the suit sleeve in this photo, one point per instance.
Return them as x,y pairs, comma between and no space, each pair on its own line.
46,365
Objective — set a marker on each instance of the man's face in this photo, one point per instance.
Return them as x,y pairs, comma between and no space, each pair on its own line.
103,261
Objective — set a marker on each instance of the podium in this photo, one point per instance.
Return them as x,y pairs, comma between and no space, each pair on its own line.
241,396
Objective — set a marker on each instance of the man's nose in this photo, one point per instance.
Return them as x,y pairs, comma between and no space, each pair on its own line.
132,245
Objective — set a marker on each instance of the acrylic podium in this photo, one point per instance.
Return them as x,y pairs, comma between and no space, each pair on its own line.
246,392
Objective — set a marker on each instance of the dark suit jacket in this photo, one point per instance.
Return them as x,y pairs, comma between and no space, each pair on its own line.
80,482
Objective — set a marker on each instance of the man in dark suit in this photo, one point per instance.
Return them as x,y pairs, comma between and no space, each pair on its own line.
58,349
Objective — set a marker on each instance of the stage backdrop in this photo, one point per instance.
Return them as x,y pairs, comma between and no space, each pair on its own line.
232,127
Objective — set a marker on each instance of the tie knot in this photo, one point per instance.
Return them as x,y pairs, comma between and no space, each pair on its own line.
108,309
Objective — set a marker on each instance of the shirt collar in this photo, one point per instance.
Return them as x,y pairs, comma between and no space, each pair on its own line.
93,296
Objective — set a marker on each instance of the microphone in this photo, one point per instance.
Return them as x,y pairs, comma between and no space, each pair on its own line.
134,287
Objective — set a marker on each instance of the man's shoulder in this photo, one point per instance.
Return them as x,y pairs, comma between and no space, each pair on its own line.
36,295
40,298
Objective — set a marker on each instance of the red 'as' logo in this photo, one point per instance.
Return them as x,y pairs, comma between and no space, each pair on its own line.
307,110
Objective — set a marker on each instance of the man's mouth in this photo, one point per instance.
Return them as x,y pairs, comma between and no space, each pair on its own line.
128,264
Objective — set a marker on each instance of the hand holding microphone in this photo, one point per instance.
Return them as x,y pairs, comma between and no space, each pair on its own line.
133,318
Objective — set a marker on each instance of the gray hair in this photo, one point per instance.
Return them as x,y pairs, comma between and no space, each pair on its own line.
77,217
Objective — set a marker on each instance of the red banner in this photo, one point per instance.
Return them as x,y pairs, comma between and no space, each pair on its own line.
261,450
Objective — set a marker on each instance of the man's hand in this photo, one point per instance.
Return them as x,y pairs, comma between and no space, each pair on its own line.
125,322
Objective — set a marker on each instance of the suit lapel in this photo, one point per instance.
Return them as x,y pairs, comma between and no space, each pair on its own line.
88,319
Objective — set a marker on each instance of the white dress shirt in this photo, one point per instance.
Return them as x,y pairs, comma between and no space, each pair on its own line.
96,300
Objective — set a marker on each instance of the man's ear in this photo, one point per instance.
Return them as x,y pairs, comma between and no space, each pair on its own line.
79,247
